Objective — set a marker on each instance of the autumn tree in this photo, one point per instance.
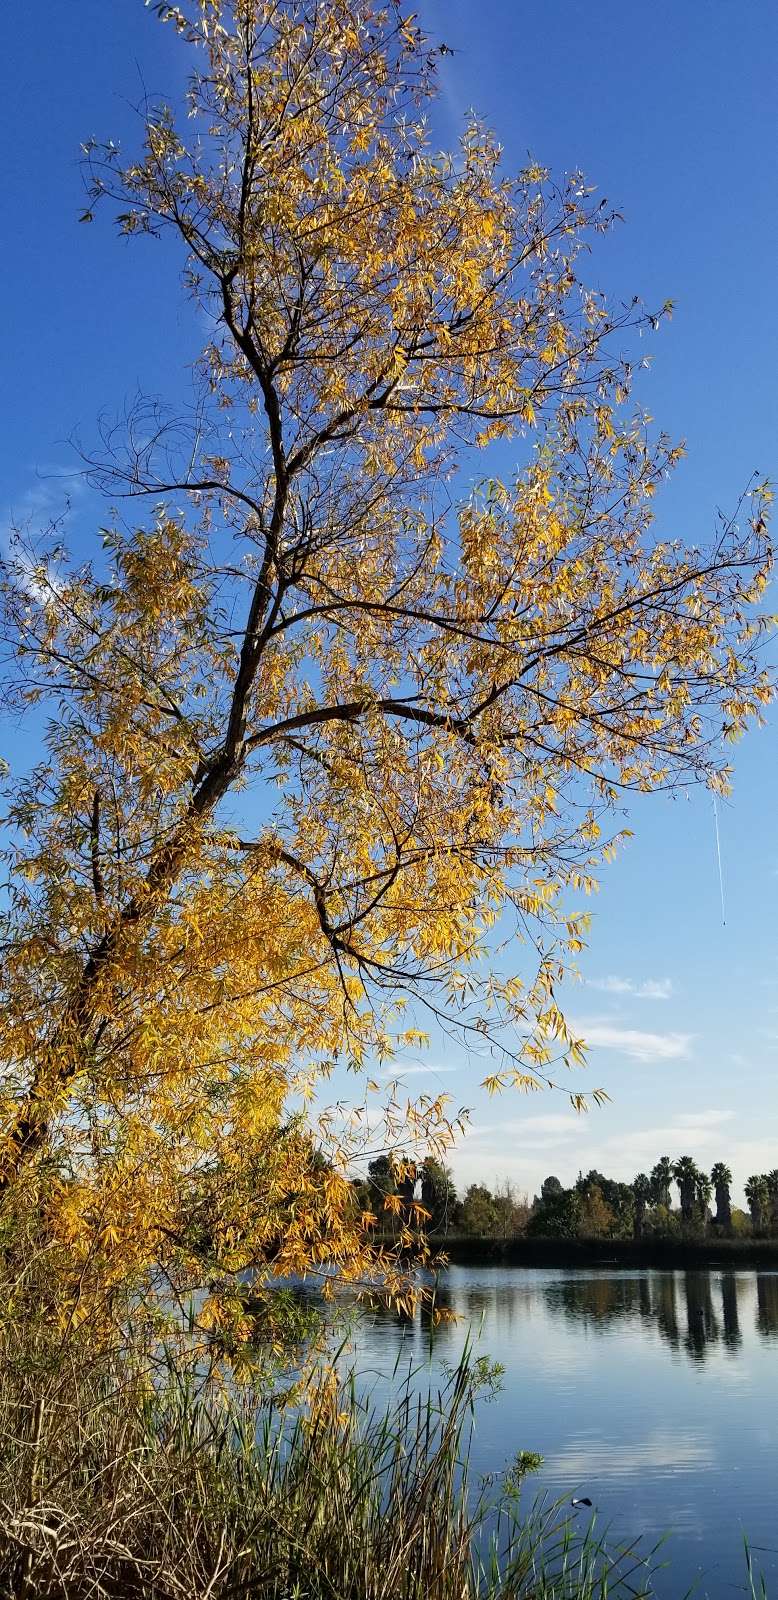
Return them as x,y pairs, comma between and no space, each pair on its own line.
613,1203
596,1220
317,715
512,1209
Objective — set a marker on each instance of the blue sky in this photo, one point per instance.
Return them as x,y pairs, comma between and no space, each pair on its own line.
669,109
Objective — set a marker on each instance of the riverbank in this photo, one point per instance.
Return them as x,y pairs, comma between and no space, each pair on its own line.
465,1250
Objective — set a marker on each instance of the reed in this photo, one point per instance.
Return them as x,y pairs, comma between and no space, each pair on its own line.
181,1488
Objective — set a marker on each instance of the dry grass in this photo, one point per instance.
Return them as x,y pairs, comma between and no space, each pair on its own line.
114,1487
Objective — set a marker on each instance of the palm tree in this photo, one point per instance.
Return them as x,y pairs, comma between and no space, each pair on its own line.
771,1179
661,1178
758,1199
686,1175
703,1189
721,1178
643,1192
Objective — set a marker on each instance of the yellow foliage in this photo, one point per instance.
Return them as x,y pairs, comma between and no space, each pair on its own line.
309,734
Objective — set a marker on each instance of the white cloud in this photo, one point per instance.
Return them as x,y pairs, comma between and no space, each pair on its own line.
752,1155
527,1172
592,1459
649,989
636,1043
621,1155
527,1148
703,1119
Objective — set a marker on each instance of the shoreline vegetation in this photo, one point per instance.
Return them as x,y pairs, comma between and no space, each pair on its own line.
619,1222
464,1249
174,1490
125,1487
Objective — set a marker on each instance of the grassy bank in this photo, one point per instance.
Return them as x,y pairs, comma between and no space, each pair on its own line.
522,1252
111,1488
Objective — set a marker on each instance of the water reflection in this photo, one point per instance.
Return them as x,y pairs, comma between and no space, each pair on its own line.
702,1328
709,1305
767,1303
733,1338
665,1309
691,1312
648,1391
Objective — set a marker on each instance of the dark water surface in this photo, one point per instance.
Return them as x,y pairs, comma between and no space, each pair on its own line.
652,1392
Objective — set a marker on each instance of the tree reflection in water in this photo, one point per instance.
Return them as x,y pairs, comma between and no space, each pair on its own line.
691,1311
767,1303
732,1335
665,1306
653,1297
702,1329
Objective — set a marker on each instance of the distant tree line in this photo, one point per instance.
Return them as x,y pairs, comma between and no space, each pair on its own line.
594,1207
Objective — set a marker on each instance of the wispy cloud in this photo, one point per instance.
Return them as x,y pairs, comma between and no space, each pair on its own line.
431,1070
637,1043
37,511
648,989
525,1130
46,500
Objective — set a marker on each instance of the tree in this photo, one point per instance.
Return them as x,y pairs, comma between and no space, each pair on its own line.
438,1194
621,1199
391,1182
557,1216
596,1220
643,1191
309,735
479,1212
512,1212
382,1177
721,1178
617,1197
771,1185
661,1178
703,1189
686,1176
758,1200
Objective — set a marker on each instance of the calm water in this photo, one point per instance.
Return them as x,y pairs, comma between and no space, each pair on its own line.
654,1393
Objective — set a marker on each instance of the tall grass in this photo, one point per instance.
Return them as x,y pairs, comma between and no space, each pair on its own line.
176,1490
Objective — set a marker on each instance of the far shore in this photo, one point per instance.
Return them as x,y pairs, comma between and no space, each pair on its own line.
465,1250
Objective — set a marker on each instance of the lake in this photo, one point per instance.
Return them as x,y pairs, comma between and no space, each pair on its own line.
651,1392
